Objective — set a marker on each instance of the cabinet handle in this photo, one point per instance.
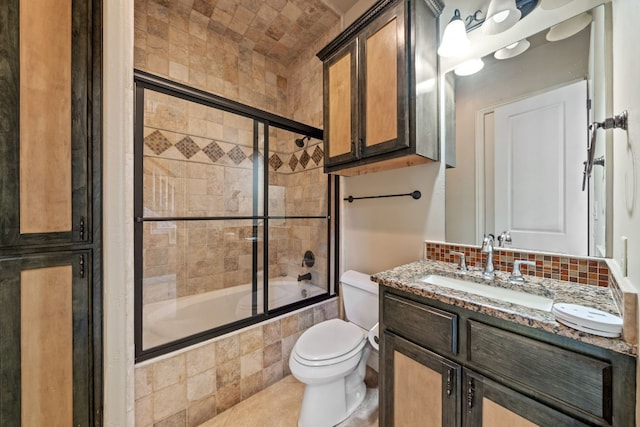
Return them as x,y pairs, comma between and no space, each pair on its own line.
82,266
81,228
470,391
449,381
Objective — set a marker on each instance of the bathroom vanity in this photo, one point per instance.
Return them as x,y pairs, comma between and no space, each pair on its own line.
452,357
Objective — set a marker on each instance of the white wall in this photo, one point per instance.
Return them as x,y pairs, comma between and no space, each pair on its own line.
378,234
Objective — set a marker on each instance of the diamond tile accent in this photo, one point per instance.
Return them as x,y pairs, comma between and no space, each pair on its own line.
304,159
293,162
317,155
237,155
255,155
275,161
213,151
187,147
157,142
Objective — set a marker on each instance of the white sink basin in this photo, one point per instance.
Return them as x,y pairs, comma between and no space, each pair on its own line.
494,292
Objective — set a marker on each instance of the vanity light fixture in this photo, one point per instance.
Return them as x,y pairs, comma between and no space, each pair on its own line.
569,27
469,67
512,50
501,15
454,39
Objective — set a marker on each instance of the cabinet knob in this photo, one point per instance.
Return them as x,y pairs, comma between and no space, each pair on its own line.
449,381
470,392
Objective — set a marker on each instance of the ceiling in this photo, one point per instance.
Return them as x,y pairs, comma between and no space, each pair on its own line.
278,29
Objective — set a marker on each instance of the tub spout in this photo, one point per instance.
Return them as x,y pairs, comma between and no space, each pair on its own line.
306,276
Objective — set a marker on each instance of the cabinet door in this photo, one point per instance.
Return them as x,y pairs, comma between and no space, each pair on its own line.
341,107
420,388
45,350
486,403
384,92
45,129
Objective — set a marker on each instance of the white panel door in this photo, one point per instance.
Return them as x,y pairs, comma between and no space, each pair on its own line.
540,145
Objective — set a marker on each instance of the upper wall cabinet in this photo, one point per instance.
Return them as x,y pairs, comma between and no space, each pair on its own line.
381,89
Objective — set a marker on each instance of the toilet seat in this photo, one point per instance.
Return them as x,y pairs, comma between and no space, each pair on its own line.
329,342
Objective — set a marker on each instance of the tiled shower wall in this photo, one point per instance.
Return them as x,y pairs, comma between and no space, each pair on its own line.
198,43
192,387
216,46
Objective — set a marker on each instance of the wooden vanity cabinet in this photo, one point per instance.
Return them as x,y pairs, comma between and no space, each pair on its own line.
454,367
381,89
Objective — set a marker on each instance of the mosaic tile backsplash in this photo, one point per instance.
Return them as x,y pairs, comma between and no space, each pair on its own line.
553,266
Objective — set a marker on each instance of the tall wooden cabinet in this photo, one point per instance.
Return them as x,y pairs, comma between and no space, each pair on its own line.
50,213
381,89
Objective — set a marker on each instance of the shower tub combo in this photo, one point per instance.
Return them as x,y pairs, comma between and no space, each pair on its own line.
170,320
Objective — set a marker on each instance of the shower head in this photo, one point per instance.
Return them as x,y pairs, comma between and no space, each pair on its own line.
300,141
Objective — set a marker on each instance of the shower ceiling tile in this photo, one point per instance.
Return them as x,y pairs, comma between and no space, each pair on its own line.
269,25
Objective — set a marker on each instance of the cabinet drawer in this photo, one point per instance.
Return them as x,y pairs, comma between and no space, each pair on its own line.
577,380
424,325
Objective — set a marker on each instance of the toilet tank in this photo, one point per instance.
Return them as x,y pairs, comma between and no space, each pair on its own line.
360,298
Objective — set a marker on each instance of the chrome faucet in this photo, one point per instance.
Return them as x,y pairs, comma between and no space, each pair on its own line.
504,239
487,247
516,274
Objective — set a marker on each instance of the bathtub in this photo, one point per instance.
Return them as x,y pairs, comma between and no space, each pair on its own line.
169,320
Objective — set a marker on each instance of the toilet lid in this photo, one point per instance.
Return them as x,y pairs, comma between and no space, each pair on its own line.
328,340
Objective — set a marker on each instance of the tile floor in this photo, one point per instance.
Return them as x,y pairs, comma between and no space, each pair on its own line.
279,406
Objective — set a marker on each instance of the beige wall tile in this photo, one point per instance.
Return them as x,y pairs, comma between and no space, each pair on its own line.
143,381
169,400
144,411
169,372
227,373
228,396
201,359
201,411
201,385
251,363
176,420
251,340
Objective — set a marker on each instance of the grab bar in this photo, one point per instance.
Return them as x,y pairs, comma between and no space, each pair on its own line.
616,122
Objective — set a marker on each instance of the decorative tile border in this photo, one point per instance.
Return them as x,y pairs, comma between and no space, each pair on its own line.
586,271
159,143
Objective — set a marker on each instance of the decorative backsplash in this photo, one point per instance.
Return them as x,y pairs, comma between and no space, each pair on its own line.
586,271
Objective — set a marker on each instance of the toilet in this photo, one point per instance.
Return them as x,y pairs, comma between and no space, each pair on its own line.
330,358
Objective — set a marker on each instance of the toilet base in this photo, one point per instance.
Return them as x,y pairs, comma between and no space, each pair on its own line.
325,405
335,405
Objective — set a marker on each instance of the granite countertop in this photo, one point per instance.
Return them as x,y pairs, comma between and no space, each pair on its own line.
407,278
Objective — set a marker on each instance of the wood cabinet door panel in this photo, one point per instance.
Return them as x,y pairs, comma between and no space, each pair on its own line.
421,388
486,403
45,354
384,84
341,108
547,369
45,129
